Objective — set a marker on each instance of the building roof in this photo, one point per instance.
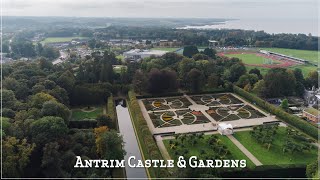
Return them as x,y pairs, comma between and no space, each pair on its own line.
225,126
145,52
312,111
294,108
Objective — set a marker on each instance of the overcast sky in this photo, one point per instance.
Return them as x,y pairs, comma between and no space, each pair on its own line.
164,8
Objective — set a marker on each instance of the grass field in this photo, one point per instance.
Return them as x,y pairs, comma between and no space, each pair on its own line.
275,154
117,68
78,114
60,39
305,69
121,57
165,49
202,144
248,58
303,54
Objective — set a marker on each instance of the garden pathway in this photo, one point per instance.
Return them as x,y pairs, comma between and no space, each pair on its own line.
204,127
162,147
245,150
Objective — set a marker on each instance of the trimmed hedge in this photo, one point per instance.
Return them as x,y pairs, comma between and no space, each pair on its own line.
159,95
288,118
83,123
149,147
111,111
208,92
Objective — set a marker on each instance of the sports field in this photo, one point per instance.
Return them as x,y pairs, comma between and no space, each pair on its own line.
257,60
60,39
303,54
250,58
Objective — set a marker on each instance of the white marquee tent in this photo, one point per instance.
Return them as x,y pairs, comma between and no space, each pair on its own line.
225,129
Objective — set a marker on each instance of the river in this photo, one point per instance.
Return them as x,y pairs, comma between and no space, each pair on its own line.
131,144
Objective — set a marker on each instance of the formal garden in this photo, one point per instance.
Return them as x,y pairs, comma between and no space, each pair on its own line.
176,111
176,118
204,147
166,103
234,112
274,145
215,99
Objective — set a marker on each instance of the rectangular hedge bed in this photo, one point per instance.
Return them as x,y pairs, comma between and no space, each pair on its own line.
167,122
157,104
215,99
79,114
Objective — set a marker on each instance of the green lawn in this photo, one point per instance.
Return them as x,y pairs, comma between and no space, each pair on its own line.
117,68
305,69
303,54
249,58
78,114
165,49
275,154
202,144
60,39
121,57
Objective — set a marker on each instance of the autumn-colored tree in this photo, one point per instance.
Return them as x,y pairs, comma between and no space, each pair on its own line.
98,133
247,87
15,155
40,98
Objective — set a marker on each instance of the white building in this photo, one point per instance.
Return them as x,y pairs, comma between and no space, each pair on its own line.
137,54
225,129
312,97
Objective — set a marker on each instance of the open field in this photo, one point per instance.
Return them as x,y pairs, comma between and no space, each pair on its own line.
60,39
79,114
117,68
202,145
255,60
303,54
305,69
275,154
259,60
250,58
165,49
121,57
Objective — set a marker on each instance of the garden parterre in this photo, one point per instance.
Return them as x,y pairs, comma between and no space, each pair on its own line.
177,111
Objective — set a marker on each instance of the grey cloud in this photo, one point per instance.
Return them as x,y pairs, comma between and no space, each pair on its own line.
163,8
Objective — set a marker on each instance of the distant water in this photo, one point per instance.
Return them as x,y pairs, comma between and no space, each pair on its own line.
295,26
